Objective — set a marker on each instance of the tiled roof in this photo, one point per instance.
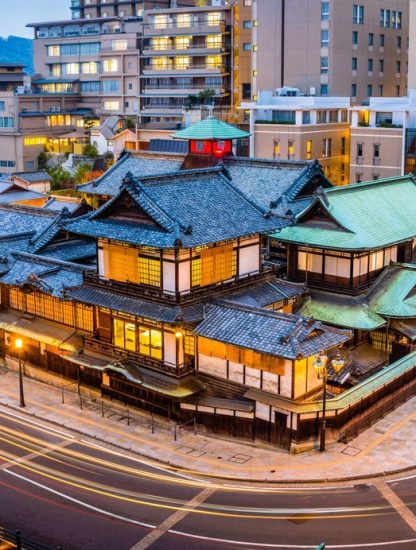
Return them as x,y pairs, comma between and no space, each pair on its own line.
392,295
265,293
135,306
142,164
345,311
22,220
45,274
33,177
71,251
57,205
273,183
281,335
49,232
210,128
190,208
366,216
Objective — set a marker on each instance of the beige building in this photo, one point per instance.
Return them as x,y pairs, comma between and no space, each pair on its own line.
331,48
302,128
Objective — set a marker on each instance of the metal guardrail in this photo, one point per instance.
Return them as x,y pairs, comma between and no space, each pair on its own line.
20,542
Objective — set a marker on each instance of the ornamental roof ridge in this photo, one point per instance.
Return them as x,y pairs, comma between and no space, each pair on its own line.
43,260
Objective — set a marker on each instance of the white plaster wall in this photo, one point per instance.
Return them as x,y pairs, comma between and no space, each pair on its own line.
184,277
168,277
213,365
169,343
249,260
270,382
236,372
252,377
262,411
286,381
101,268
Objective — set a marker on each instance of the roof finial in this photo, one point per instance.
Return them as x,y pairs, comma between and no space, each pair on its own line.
211,108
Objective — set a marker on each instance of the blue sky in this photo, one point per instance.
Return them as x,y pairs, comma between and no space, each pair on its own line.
18,13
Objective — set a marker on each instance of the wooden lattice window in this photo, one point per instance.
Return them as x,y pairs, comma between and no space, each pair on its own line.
149,271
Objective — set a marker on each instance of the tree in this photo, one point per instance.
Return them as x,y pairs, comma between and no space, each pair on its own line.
206,96
90,150
89,122
81,173
61,178
43,160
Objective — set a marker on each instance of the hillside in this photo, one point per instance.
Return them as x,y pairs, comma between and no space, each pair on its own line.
17,50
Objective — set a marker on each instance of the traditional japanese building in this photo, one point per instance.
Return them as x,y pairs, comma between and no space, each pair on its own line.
164,296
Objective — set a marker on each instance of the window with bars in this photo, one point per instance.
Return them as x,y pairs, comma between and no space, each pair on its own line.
189,344
214,265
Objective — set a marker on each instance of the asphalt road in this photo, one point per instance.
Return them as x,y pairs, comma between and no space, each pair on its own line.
61,490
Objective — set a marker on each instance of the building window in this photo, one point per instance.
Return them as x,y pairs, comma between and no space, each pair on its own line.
327,146
398,67
396,19
369,90
110,65
354,64
306,117
370,65
398,90
360,150
149,271
370,39
276,149
34,141
354,38
358,14
324,65
111,105
284,117
6,122
385,18
380,90
343,146
381,40
333,115
324,38
324,89
111,86
247,24
309,149
247,47
322,117
398,42
246,90
325,11
376,153
291,149
381,65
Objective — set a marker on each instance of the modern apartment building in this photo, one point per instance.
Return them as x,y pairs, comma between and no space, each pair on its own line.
355,48
33,120
302,128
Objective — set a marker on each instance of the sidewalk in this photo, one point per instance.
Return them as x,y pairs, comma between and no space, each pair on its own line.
386,447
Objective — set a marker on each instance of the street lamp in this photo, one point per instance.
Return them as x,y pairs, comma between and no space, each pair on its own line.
19,346
321,365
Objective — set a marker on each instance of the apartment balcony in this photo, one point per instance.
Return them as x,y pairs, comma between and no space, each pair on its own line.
193,49
197,69
180,91
194,29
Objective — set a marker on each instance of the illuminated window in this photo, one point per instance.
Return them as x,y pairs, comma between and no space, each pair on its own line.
215,265
89,68
214,61
149,271
110,65
182,62
183,20
214,18
161,21
70,68
119,45
150,342
182,42
111,105
160,63
309,149
53,51
196,272
276,149
290,149
214,41
35,141
162,43
59,120
56,70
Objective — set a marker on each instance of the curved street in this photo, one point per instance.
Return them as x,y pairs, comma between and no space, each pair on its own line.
61,489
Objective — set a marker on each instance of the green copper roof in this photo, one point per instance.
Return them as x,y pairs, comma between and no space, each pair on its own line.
211,128
362,216
393,295
343,311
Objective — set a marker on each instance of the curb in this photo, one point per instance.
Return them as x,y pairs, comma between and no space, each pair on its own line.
172,466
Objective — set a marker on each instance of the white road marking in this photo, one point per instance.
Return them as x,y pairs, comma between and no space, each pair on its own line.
238,543
172,520
34,423
80,502
396,502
